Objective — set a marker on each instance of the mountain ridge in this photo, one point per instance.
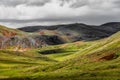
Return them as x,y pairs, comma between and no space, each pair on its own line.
92,32
54,35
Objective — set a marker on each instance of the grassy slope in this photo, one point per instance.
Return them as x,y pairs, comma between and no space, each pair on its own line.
8,31
74,61
16,63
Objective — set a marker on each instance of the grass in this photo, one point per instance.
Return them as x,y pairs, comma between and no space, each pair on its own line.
5,30
93,60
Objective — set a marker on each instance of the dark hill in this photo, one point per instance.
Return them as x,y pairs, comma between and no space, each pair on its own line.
79,31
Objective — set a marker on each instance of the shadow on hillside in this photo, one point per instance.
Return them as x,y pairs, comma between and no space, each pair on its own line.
16,79
54,51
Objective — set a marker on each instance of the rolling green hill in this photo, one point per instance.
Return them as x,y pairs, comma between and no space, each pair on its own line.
8,32
82,60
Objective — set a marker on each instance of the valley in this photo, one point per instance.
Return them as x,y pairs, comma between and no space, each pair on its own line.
62,52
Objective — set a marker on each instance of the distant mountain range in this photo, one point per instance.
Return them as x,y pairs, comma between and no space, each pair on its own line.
79,31
38,36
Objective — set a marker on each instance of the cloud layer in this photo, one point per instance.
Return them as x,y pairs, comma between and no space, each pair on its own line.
18,13
23,2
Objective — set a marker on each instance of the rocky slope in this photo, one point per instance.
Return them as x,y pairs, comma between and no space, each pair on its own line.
19,40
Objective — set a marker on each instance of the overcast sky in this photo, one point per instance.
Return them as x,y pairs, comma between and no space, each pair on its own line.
20,13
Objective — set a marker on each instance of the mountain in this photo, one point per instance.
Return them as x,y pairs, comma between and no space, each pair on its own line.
15,39
19,40
76,32
39,36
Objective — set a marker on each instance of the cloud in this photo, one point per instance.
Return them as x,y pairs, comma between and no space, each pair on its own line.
14,3
33,12
91,3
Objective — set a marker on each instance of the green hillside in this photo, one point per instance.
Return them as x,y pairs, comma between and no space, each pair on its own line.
93,60
8,32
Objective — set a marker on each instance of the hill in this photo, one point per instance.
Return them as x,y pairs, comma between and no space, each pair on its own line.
39,36
80,60
13,38
19,40
76,32
91,60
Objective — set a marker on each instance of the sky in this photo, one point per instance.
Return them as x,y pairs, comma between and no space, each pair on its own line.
20,13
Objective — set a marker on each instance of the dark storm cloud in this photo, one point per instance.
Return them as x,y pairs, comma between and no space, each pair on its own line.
93,3
37,2
25,2
116,3
11,2
78,4
75,3
64,1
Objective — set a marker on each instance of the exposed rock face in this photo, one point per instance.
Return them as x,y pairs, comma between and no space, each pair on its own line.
20,42
12,38
17,41
8,33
